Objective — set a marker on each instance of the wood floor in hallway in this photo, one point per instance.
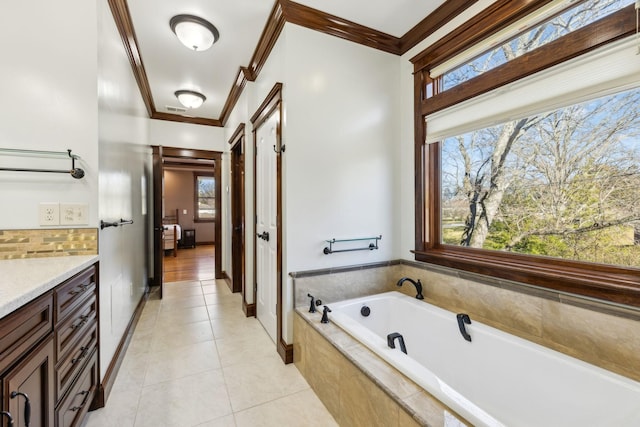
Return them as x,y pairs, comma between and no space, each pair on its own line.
190,264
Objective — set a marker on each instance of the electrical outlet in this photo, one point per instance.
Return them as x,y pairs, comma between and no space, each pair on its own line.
74,213
49,214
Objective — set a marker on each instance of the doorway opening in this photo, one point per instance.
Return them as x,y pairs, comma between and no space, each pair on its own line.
187,200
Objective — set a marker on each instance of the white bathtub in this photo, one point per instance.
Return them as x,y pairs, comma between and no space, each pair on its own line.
497,379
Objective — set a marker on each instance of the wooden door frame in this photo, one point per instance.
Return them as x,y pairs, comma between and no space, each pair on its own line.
238,212
159,154
272,104
157,217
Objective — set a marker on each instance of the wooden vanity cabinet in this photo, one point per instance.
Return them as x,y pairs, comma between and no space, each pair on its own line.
33,379
49,353
27,362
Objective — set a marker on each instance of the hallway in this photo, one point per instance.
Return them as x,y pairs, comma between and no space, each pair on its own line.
196,360
190,264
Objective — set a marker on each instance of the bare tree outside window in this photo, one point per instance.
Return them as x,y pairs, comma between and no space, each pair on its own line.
572,19
205,198
561,184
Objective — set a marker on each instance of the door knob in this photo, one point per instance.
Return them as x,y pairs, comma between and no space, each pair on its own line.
264,235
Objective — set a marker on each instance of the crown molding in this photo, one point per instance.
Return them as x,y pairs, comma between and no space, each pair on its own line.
283,11
186,119
317,20
122,18
433,22
234,94
268,39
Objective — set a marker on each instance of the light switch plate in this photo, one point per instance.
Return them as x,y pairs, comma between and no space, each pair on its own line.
74,214
49,214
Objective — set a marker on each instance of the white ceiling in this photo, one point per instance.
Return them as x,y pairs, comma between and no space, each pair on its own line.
170,66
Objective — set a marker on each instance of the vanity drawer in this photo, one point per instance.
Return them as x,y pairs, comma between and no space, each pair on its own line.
72,293
68,332
24,328
72,409
68,367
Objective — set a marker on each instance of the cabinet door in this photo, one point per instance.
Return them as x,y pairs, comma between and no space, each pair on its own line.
32,377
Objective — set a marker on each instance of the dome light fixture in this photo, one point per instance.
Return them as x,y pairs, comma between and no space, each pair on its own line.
190,99
194,32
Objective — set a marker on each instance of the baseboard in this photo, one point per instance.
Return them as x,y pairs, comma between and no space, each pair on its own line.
205,243
227,279
249,309
104,389
286,352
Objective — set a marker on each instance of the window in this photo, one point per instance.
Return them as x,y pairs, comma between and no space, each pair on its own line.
562,183
550,29
529,171
205,198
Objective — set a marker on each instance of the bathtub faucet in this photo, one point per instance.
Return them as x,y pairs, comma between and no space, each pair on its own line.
462,319
325,315
417,284
392,337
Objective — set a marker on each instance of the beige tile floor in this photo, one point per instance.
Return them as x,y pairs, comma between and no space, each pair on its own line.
196,360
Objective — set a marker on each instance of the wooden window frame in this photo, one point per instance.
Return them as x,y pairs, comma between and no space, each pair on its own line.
610,283
196,210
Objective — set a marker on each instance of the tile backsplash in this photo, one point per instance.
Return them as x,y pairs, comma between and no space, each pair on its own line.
41,243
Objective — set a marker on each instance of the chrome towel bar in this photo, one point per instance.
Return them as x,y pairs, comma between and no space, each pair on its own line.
104,224
370,247
75,172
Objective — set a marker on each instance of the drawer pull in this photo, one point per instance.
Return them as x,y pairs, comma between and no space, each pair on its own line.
9,417
83,319
27,406
80,289
84,401
87,286
82,355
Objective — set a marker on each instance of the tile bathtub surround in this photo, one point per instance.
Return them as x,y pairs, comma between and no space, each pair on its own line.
355,385
597,336
599,333
41,243
342,283
196,360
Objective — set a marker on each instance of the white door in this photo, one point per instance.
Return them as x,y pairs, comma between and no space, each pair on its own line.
266,225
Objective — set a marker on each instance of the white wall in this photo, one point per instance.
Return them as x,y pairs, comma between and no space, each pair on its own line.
125,186
185,135
341,135
340,128
342,145
49,102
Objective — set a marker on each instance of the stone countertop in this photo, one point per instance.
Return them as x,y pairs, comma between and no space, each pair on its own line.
22,280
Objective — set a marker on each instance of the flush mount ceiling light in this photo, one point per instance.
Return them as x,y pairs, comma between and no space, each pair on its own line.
190,98
194,32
